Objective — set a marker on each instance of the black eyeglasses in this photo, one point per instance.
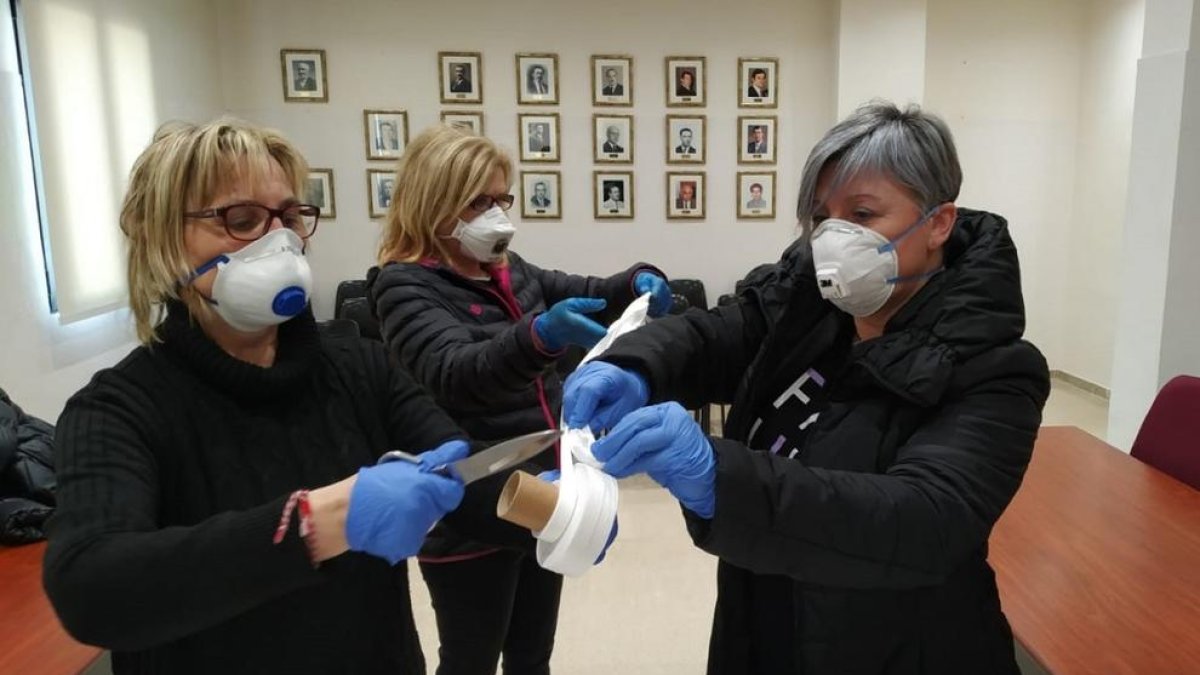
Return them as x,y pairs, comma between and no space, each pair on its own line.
248,222
484,202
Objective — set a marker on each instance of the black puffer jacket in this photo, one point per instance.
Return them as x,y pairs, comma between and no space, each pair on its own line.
879,525
472,345
27,481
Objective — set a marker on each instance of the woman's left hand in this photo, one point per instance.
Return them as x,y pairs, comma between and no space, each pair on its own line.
660,293
664,442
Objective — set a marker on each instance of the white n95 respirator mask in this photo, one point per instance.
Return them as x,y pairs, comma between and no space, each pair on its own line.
858,268
263,284
487,236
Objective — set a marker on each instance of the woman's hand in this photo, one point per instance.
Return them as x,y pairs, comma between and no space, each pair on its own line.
386,510
565,324
661,298
599,394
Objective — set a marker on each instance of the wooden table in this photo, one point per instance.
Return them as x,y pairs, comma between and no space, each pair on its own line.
1098,561
32,641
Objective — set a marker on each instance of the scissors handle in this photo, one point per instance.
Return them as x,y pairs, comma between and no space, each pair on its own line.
402,456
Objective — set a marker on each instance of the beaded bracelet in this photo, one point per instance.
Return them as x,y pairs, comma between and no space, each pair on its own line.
298,501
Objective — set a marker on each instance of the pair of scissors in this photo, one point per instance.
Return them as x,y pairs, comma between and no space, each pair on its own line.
488,462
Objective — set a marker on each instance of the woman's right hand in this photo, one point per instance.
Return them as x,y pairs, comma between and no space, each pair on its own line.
599,394
394,505
565,324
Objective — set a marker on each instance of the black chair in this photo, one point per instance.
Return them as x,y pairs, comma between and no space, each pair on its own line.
679,303
352,288
693,290
338,328
358,310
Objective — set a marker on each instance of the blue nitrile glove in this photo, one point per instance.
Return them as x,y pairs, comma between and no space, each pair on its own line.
394,505
660,293
599,394
665,442
552,476
565,324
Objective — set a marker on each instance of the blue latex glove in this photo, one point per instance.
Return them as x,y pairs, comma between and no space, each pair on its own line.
565,324
664,442
394,505
661,298
552,476
599,394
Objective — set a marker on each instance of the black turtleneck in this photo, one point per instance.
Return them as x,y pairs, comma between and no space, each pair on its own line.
174,467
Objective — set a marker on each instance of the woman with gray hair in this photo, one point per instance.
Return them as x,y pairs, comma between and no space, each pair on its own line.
884,411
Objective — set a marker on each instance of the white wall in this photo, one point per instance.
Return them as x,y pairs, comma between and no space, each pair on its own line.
384,55
41,362
881,52
1112,45
1006,76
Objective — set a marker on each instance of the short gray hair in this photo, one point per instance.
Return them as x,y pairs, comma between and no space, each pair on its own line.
911,146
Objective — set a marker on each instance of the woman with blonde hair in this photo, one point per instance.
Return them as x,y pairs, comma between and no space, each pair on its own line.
212,515
483,330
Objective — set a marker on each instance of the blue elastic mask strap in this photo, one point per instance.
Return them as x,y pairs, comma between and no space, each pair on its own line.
916,277
201,271
884,248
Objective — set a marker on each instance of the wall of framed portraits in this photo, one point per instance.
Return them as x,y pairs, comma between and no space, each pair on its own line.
533,75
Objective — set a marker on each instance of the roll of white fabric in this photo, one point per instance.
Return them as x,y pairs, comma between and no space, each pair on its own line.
586,510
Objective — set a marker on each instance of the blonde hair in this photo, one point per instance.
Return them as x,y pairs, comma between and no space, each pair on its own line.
442,170
185,166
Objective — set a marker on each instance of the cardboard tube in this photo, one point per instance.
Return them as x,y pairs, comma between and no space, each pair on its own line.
527,501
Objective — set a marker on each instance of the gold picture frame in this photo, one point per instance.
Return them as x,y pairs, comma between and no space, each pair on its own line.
472,119
380,185
460,77
385,133
752,206
608,205
755,149
750,94
320,192
690,129
677,88
620,94
538,134
535,89
304,73
545,203
606,149
679,205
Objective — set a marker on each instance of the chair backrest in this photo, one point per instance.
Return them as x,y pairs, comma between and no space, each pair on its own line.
352,288
1169,439
679,303
693,290
358,310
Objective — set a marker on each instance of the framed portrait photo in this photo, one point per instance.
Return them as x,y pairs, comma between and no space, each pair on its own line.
757,140
537,79
380,186
685,195
686,78
464,119
460,77
756,194
541,194
304,78
612,80
319,192
539,137
386,133
612,138
758,82
686,136
613,194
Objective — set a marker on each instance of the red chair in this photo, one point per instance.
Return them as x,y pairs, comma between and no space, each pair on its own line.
1169,439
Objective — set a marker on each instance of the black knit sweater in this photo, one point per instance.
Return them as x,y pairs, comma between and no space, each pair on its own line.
174,467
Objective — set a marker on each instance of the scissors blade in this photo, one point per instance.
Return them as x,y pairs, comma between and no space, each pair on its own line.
504,455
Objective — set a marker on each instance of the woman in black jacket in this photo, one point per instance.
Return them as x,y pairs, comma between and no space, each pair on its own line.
884,410
212,514
484,331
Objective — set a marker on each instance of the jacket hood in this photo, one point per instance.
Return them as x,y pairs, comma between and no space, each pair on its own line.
973,305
